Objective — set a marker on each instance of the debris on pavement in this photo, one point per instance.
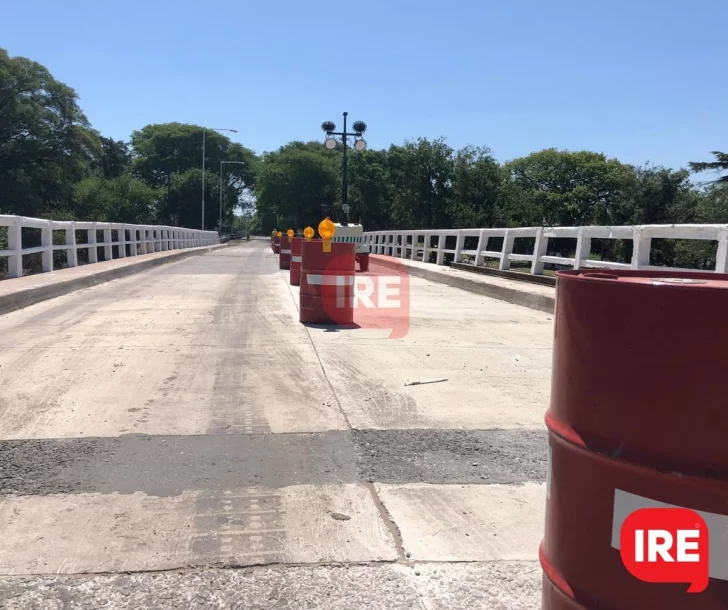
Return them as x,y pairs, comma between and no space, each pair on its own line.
426,381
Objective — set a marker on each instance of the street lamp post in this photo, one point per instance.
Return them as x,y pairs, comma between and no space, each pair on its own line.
360,145
222,163
204,134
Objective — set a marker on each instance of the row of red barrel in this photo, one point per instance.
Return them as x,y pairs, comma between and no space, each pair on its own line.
326,277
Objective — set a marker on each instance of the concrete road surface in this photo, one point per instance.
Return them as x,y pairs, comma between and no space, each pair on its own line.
177,439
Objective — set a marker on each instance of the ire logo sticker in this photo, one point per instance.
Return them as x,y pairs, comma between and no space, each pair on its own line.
666,545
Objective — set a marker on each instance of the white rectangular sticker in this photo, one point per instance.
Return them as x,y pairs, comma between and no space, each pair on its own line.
626,503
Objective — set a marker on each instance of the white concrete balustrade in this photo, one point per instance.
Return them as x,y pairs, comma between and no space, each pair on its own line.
141,239
417,245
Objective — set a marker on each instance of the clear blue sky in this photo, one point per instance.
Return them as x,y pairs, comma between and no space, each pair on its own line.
640,80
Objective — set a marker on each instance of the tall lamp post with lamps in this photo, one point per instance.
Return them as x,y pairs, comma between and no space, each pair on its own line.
204,135
331,142
223,163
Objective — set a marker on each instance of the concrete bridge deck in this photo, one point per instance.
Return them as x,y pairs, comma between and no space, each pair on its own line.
177,439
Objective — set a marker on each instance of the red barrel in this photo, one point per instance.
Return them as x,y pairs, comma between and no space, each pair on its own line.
284,260
638,417
277,244
327,283
363,260
272,242
295,276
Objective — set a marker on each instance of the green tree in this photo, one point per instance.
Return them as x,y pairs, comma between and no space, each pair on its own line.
568,188
169,155
46,142
660,195
115,159
476,186
182,206
720,165
119,199
293,183
421,174
370,190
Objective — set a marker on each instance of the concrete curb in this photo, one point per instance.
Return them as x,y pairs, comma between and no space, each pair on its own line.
25,297
543,280
503,293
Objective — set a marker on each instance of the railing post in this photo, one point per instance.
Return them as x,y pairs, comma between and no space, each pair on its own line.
425,248
459,244
583,248
71,253
539,250
108,246
441,248
15,244
505,263
121,238
46,240
482,246
414,247
641,244
93,255
133,240
403,251
721,257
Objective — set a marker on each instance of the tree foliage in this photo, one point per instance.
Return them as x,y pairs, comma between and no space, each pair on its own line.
293,183
46,143
168,157
719,165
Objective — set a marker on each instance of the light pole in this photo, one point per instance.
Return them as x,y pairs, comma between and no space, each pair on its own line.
360,145
221,170
204,134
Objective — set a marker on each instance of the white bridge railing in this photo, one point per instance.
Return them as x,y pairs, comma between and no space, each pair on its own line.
141,239
417,245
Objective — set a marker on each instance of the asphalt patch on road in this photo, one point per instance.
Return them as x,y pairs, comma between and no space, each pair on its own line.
169,465
451,456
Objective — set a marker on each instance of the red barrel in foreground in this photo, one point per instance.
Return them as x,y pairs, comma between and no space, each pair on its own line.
295,276
638,419
284,260
327,283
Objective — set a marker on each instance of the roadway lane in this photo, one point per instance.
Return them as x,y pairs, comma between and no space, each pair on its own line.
183,419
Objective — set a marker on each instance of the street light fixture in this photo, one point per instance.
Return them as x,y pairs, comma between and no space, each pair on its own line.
204,134
331,142
221,170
